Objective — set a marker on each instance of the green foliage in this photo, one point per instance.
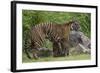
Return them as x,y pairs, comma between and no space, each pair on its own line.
31,18
67,58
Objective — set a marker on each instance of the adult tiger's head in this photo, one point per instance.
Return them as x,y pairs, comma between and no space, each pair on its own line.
75,25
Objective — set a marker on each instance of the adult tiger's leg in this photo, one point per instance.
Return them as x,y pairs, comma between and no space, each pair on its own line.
56,49
35,54
35,50
65,48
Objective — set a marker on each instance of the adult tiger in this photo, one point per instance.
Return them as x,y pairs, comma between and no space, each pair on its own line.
58,34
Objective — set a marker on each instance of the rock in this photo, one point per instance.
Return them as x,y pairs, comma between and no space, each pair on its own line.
79,42
74,38
45,52
86,40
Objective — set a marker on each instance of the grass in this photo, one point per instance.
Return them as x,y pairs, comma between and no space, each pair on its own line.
66,58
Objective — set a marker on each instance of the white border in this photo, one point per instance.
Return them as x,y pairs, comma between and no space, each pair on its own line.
36,65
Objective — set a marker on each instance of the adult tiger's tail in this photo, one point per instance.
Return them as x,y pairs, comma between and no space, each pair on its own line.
27,53
27,44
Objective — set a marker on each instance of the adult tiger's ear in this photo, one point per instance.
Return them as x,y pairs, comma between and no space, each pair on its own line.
75,25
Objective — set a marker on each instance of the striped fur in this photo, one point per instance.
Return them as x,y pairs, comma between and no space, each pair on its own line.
58,34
